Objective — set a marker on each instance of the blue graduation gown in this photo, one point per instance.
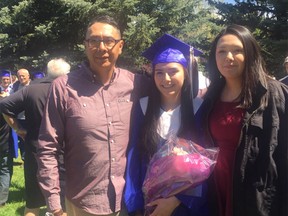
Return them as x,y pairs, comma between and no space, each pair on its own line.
136,171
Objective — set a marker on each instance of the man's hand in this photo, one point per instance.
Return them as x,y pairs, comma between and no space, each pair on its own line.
164,207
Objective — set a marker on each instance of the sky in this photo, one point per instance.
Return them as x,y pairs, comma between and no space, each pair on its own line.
229,1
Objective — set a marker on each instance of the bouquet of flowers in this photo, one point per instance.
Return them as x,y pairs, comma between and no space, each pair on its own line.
177,166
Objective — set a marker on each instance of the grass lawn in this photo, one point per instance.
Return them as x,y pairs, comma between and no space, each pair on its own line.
16,202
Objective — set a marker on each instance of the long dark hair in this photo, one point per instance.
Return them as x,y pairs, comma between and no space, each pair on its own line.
149,136
254,70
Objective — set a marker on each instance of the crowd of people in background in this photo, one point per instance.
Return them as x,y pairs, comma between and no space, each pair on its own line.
31,101
87,136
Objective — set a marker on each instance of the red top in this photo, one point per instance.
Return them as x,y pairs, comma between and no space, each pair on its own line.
225,125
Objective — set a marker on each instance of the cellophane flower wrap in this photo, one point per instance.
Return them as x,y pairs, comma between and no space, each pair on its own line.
177,166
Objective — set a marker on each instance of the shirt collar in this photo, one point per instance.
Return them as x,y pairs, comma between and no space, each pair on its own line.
93,76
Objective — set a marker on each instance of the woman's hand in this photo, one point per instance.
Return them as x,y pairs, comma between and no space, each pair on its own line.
164,207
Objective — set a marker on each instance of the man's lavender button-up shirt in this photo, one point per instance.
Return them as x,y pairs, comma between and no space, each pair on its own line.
91,122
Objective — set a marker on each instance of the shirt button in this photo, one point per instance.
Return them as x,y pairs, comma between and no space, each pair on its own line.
110,123
113,159
111,141
107,105
112,177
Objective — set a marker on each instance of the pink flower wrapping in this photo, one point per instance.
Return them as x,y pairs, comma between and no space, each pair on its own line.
177,166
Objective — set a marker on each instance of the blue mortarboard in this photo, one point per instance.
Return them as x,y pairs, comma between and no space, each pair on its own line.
38,75
168,49
5,73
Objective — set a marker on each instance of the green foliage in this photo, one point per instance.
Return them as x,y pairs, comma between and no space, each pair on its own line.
37,31
34,31
267,19
16,202
185,19
138,37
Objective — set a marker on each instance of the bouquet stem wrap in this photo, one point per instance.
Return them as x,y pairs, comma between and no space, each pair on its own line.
177,166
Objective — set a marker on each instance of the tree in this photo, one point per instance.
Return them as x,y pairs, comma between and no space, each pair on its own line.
188,20
267,19
36,31
138,37
33,31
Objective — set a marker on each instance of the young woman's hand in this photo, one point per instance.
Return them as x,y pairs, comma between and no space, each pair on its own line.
164,207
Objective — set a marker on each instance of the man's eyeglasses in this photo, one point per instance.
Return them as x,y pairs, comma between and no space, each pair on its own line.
109,43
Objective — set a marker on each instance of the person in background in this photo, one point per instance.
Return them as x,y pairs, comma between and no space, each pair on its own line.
14,77
6,158
6,89
245,114
38,75
5,85
285,78
167,111
31,101
203,85
88,115
23,81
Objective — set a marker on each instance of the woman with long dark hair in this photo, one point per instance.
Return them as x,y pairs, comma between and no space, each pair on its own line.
167,111
245,114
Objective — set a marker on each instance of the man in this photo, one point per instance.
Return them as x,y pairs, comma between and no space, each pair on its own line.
88,113
31,100
285,64
24,80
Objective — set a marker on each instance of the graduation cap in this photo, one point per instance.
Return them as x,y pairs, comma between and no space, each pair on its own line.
5,73
170,49
38,75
